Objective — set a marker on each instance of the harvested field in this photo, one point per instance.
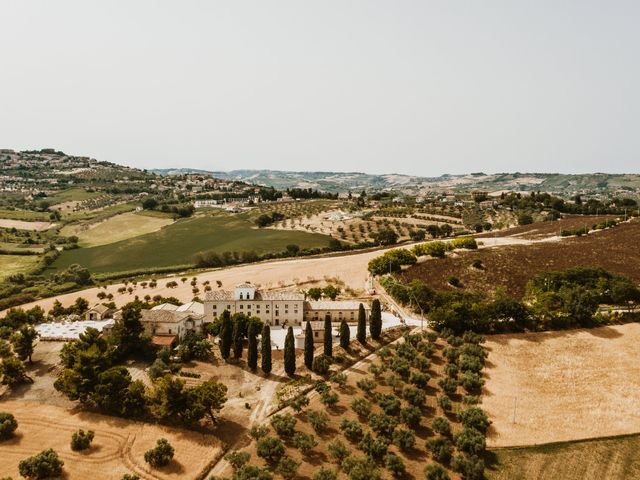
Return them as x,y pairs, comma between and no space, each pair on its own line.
563,386
116,228
24,225
610,458
118,447
511,267
11,264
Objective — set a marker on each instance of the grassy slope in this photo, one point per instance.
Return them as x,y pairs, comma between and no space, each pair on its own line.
10,264
177,243
611,458
116,228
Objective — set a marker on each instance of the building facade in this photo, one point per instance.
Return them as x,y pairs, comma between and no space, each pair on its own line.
277,308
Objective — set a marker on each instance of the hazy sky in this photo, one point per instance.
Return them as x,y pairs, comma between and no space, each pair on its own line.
420,87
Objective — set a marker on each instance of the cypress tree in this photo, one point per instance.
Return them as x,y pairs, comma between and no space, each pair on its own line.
328,341
238,338
345,335
266,350
375,320
226,334
308,346
289,353
361,334
252,349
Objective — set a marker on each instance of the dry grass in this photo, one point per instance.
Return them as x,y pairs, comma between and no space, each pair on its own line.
611,458
564,386
118,447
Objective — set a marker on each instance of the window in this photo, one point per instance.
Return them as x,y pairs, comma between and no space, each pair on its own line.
241,307
169,330
286,306
229,307
215,307
277,313
315,334
249,307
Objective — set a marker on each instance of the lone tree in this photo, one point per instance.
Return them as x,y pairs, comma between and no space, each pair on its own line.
375,320
345,335
361,334
328,340
45,464
127,331
23,342
8,425
160,455
226,334
308,346
266,350
289,353
252,347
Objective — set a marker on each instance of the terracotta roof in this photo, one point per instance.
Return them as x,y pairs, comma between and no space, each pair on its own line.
100,308
165,306
192,307
336,305
245,285
218,295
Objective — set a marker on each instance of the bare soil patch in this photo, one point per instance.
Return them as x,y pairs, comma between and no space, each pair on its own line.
562,386
511,267
23,225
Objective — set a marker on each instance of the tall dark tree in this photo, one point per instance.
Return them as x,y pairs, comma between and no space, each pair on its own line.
289,353
375,320
266,350
308,346
252,348
361,333
328,338
345,335
127,331
226,334
238,338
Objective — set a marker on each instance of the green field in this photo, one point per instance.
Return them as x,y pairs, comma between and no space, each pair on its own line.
176,244
614,458
24,215
116,228
10,264
72,194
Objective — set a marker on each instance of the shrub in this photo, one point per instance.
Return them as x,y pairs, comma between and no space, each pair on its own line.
414,396
411,416
477,264
434,471
474,417
325,474
366,384
382,424
451,370
374,447
284,424
287,468
440,448
377,369
470,440
419,379
338,450
361,406
395,465
444,403
471,382
258,431
299,402
448,385
442,426
454,281
321,364
470,466
237,459
329,398
318,420
464,242
423,364
81,440
469,363
470,399
404,439
304,441
271,449
360,468
8,425
45,464
400,366
389,403
251,472
351,429
160,455
339,379
130,476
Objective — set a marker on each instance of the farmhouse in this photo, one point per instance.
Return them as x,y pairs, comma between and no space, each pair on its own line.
99,312
337,310
167,325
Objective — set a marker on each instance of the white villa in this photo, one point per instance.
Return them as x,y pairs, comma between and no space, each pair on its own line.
278,308
167,323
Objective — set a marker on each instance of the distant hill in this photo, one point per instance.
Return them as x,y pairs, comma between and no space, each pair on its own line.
356,181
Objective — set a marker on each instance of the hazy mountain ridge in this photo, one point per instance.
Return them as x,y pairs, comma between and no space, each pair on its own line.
355,181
